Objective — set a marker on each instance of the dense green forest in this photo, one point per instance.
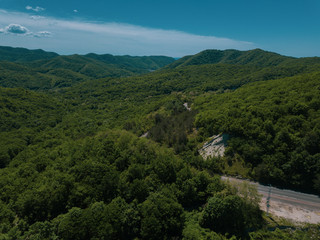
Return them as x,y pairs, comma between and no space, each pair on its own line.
40,70
104,147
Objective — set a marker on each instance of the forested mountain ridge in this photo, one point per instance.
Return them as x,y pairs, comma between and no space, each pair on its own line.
256,57
117,157
24,55
98,66
146,62
40,70
18,75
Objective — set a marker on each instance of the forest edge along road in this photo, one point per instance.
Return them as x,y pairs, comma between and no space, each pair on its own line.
295,206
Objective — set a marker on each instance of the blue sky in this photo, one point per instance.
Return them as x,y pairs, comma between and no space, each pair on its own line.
173,28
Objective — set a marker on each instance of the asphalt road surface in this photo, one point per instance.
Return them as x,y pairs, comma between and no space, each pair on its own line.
303,200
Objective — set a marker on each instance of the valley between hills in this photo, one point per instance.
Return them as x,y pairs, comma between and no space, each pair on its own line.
73,164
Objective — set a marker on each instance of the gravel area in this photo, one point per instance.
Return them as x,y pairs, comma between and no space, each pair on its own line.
290,212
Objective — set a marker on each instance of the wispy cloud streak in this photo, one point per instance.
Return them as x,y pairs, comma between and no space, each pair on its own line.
75,36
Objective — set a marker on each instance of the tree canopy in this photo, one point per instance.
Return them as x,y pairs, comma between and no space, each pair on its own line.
106,147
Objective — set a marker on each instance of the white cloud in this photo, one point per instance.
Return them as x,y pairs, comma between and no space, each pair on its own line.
42,34
16,29
75,11
36,9
21,30
71,36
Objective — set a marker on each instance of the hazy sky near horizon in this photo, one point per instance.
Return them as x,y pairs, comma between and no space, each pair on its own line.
173,28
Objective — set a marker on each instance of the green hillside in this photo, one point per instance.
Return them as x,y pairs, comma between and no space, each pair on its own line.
274,127
40,70
24,55
23,116
256,57
13,75
99,66
92,149
128,101
129,62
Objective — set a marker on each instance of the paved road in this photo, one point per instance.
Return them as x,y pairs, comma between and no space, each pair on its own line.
305,201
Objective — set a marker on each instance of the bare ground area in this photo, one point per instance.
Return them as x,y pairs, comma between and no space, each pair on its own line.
215,147
293,206
290,212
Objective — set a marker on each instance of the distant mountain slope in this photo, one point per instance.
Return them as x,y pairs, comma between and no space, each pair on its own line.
91,68
195,79
21,108
24,55
37,69
98,66
13,75
133,62
256,57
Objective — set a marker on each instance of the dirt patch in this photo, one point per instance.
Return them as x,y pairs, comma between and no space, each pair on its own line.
290,212
293,213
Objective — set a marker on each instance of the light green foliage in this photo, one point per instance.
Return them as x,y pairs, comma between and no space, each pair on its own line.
231,214
224,214
193,231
